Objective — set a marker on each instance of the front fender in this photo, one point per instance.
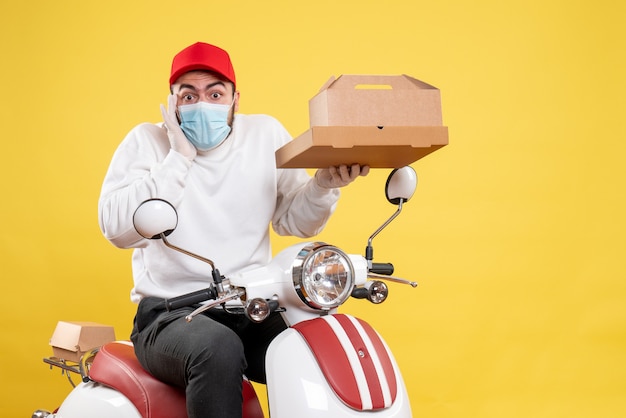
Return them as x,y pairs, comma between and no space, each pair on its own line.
317,370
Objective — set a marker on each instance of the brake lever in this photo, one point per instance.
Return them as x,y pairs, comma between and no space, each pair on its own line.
371,275
238,293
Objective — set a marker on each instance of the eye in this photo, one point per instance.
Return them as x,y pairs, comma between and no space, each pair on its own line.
188,98
216,95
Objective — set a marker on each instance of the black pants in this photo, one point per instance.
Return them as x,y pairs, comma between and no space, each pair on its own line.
207,356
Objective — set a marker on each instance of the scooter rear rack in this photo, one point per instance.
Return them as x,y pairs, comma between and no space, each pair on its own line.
67,367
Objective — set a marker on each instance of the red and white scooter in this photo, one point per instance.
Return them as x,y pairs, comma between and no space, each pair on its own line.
326,364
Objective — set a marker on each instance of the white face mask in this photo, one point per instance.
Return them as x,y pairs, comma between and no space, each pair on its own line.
205,124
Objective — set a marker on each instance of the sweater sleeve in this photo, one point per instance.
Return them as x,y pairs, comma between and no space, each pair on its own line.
142,167
302,207
303,210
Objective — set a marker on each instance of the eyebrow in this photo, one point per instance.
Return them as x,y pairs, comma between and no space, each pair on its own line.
189,86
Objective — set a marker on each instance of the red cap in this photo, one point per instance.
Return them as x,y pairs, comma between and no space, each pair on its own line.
201,56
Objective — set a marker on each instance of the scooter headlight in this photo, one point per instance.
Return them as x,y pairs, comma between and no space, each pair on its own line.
323,276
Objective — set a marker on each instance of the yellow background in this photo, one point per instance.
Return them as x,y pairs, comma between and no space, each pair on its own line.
516,233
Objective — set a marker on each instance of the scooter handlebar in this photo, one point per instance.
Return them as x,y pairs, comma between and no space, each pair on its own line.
382,268
190,299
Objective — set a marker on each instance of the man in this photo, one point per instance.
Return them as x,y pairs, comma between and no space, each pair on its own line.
218,170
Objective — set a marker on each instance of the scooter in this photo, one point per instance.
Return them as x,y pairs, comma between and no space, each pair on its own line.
325,364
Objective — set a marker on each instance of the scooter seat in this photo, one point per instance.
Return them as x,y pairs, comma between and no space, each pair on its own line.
116,366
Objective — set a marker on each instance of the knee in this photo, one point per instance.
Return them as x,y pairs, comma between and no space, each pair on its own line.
220,353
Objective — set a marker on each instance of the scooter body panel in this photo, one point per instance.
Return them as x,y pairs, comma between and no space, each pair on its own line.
94,400
297,386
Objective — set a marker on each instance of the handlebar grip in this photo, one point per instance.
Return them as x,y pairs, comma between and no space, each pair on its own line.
274,306
190,299
382,268
360,293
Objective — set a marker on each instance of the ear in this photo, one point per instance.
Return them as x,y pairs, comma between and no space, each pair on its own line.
236,99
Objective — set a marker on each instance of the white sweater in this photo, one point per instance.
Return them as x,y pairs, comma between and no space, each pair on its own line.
226,198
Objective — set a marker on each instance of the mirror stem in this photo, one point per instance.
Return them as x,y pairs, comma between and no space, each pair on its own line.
369,251
173,247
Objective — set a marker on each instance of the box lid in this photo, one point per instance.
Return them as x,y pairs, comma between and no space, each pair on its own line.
376,100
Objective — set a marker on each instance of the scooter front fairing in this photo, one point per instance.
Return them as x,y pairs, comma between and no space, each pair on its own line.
334,366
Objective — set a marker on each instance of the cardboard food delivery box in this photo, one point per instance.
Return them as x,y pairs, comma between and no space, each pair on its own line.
384,121
71,340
